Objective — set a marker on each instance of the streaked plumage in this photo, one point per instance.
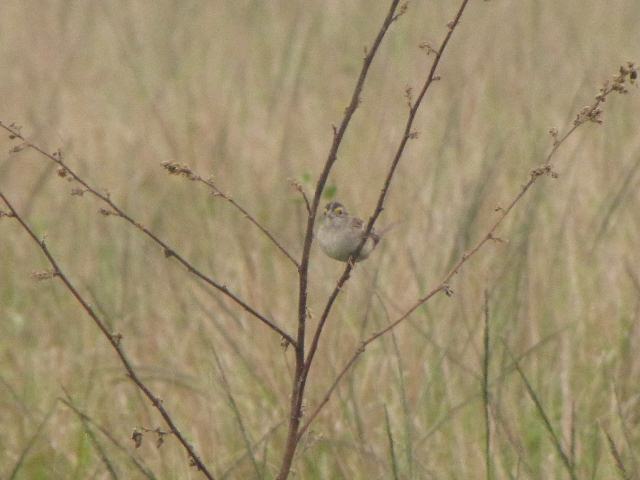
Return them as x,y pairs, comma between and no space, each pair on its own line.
339,234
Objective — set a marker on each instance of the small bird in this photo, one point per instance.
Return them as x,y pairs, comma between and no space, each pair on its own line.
339,234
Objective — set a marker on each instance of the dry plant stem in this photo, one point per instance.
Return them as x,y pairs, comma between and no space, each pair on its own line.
248,216
169,252
115,341
383,193
379,207
299,377
443,286
298,188
485,389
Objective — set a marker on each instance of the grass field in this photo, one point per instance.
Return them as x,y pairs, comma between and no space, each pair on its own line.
247,91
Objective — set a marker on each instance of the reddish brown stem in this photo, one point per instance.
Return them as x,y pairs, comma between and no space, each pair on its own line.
299,377
168,251
248,216
115,340
589,114
383,193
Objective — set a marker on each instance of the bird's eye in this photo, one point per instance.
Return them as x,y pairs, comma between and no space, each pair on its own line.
338,211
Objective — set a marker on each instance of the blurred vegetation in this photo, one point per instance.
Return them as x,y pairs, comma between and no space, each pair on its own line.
247,91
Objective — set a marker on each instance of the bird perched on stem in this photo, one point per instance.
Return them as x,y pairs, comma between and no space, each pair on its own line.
339,234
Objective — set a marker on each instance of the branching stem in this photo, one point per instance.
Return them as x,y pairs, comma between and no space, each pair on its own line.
115,340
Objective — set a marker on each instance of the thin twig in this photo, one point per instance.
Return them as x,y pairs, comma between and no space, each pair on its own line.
299,377
408,134
184,170
248,216
298,188
65,170
588,114
114,339
485,388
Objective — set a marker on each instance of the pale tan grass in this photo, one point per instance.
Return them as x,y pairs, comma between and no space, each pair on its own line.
248,91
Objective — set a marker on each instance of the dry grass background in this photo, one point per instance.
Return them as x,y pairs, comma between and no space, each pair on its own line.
247,91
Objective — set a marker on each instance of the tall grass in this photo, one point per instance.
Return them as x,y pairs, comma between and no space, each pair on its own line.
247,91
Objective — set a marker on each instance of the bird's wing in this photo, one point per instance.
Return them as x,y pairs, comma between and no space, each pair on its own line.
358,223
